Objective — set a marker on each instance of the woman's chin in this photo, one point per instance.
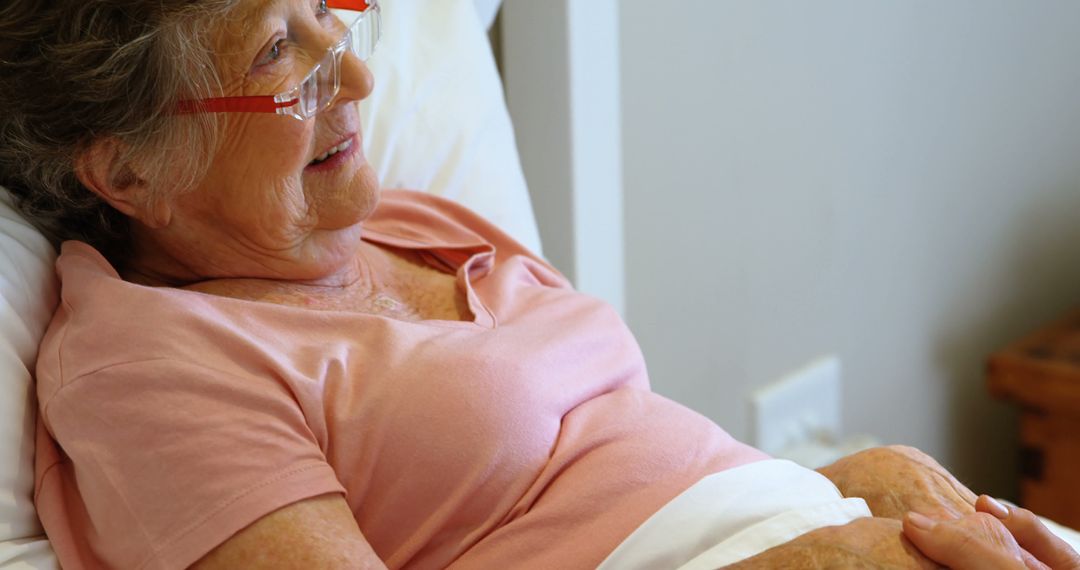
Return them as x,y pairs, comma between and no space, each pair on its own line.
326,252
351,207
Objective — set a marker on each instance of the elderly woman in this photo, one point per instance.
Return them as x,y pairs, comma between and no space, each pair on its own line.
259,360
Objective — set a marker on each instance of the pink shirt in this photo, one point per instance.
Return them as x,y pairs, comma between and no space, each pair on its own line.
527,438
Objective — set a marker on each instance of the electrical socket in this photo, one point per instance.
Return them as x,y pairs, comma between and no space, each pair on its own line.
802,407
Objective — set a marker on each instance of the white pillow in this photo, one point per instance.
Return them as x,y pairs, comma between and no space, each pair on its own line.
437,122
27,299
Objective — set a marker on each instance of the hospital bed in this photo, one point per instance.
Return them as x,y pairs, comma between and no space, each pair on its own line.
437,121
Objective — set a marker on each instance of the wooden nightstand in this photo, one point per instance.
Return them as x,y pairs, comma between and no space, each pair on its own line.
1041,373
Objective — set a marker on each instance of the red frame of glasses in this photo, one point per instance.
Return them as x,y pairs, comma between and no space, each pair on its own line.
257,103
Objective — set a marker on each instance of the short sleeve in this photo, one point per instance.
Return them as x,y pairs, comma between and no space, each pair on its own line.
170,459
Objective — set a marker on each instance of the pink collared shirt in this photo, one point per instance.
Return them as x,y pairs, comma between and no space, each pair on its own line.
525,438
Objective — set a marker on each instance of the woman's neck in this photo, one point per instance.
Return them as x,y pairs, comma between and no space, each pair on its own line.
333,261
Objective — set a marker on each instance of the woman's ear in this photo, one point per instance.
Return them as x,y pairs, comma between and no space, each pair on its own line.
101,169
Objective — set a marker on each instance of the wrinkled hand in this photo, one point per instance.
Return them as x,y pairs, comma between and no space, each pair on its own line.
863,543
897,479
994,538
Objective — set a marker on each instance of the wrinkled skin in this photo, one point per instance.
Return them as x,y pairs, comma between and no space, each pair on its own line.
896,479
863,543
994,538
977,541
893,480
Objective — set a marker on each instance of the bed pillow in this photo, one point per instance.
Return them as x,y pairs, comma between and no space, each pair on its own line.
437,120
27,298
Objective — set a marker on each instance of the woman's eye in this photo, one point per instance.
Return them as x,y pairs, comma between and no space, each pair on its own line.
322,8
274,54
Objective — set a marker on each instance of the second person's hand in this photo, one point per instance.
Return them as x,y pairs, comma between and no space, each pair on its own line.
994,538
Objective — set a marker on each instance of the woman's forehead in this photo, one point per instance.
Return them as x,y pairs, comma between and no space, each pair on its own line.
244,22
258,9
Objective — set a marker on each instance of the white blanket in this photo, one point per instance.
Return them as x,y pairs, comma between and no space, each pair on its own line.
733,515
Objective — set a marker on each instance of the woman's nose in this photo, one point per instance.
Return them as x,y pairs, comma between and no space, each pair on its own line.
356,79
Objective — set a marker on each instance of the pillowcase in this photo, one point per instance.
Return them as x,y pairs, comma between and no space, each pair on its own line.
28,296
437,122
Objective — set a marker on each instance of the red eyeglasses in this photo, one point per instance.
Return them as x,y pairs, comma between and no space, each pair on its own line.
362,24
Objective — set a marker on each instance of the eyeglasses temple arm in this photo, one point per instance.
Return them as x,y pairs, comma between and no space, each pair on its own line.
253,104
358,5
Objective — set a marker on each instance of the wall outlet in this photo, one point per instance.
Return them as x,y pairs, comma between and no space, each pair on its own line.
802,408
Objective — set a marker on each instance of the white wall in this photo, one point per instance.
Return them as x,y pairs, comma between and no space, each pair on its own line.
561,71
895,182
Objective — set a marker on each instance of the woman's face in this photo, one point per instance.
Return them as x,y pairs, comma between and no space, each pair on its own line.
268,208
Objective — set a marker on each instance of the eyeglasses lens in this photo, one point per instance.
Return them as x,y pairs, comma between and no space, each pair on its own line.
361,37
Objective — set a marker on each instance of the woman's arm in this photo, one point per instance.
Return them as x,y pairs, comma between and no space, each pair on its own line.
863,543
315,533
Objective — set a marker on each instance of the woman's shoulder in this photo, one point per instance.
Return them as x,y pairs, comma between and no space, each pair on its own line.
103,320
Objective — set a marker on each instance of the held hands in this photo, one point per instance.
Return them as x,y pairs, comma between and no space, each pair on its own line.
945,524
993,538
945,520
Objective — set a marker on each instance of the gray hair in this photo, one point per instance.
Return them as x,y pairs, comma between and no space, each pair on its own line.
74,72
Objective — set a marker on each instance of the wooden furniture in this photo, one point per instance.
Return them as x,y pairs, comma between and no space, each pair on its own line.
1041,373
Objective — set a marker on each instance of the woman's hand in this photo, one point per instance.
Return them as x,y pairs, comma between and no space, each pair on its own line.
896,479
994,538
863,543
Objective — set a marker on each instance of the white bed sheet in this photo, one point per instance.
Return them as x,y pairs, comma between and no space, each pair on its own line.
28,554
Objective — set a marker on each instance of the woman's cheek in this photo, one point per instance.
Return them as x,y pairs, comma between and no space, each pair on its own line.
293,205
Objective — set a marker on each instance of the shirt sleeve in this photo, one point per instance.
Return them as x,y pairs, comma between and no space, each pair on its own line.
170,458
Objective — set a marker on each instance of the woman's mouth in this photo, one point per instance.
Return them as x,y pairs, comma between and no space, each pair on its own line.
335,156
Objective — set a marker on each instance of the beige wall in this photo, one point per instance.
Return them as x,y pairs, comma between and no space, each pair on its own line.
894,182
